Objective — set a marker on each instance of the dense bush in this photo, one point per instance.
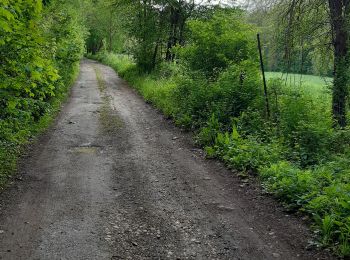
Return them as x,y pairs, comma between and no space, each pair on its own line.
40,48
27,77
216,43
244,154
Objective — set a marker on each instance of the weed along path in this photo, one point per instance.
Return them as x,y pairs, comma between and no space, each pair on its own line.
113,179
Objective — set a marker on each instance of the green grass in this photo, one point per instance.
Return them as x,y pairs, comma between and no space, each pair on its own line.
310,84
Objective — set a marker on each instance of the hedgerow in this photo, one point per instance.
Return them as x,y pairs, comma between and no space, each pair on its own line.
40,48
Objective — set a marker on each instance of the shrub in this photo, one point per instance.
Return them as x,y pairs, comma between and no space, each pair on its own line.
218,42
245,154
288,182
208,134
193,97
238,89
39,52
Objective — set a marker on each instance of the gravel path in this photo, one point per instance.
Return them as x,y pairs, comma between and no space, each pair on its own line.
114,179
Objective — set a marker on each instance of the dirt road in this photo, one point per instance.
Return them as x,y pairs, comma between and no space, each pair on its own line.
113,179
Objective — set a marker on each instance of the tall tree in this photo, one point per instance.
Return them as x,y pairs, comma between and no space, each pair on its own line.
339,16
104,22
326,21
155,27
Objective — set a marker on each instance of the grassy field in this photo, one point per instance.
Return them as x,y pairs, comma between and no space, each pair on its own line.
313,85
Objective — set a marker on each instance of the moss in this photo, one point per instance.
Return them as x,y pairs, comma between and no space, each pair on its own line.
109,119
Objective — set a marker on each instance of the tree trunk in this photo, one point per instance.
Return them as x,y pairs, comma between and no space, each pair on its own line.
170,39
154,58
176,21
110,36
182,32
339,11
289,35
